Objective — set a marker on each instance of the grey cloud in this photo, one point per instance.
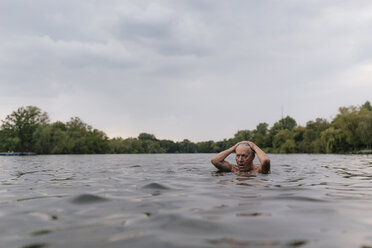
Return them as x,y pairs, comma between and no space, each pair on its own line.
180,64
172,34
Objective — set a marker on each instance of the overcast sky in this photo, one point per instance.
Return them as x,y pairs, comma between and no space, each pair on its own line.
195,69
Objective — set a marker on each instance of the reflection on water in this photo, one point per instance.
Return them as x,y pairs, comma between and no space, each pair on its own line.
180,200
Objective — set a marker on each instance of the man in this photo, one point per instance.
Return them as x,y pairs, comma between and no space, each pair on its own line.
245,153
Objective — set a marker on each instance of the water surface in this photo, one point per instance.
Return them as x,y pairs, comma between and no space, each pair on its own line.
179,200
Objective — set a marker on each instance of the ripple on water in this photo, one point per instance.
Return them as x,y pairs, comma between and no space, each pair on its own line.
183,224
296,198
251,243
22,173
88,199
43,216
302,203
36,245
156,186
62,179
41,232
252,214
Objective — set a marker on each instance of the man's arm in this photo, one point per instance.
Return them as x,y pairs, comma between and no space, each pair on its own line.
219,159
262,157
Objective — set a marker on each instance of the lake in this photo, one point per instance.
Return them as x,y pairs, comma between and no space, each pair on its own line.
179,200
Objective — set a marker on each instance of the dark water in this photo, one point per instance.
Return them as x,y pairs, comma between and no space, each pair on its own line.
180,201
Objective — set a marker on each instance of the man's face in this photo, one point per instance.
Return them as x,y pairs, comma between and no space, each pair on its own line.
243,155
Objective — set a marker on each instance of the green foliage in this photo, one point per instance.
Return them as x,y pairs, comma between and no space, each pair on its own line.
284,123
186,146
260,135
356,125
146,136
311,135
19,126
289,146
332,140
28,129
280,139
366,106
169,146
151,146
364,129
243,135
206,147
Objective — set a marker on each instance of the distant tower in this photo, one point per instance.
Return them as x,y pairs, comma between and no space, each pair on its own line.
282,111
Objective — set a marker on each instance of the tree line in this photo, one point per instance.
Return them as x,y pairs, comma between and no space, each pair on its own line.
28,129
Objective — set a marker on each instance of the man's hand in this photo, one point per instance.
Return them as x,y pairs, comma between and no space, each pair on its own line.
249,143
252,145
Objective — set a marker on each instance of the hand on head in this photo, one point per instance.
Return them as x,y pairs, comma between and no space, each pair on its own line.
246,143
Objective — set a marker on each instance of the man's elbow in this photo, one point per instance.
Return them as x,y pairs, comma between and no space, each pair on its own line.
218,165
214,161
266,166
266,161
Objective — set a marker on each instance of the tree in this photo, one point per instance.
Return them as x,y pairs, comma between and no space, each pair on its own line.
18,128
310,135
206,147
151,146
332,140
28,129
284,123
261,128
2,138
186,146
298,137
97,142
132,145
60,140
224,144
43,139
364,129
116,145
243,135
348,120
146,136
168,145
284,138
289,146
367,106
260,135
